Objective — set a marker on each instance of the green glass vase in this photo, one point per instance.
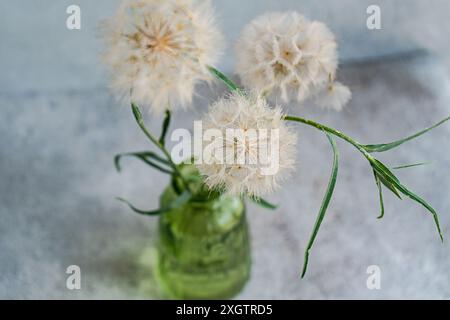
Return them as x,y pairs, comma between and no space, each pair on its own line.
203,249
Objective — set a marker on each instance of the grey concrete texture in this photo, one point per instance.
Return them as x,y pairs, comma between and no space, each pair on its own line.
58,188
60,128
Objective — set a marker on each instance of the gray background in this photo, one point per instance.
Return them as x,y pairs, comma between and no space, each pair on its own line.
60,127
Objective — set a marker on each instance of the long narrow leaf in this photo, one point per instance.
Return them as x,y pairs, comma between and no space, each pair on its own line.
384,172
388,146
179,201
263,203
385,175
410,165
325,202
145,154
165,127
143,212
380,193
227,81
421,201
381,167
147,157
390,186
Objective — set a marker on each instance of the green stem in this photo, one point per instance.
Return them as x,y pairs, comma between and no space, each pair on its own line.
138,116
233,87
329,130
382,172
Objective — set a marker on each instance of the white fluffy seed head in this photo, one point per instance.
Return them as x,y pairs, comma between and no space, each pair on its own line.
252,118
286,55
158,50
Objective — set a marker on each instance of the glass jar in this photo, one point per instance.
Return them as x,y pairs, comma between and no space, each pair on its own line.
203,250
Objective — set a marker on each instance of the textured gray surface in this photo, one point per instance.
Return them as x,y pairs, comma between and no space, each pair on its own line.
58,184
59,129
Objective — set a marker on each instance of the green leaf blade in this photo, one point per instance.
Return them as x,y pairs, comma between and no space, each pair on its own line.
325,202
427,206
227,81
181,200
136,112
263,203
380,194
140,121
165,127
405,166
385,174
148,157
142,212
371,148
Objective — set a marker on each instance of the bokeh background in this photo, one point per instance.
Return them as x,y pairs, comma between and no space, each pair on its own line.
60,128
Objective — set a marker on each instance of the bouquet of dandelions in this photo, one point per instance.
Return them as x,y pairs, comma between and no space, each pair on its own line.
158,51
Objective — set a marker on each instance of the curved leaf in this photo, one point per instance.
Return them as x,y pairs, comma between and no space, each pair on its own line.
227,81
143,212
147,157
263,203
388,146
410,165
165,127
421,201
391,180
380,192
325,202
140,121
179,201
385,175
